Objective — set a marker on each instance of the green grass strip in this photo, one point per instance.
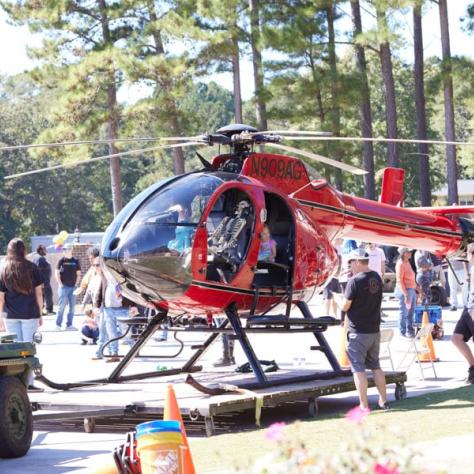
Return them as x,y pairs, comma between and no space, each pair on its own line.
417,419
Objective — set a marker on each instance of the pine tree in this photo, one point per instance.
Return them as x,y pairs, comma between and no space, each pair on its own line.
388,83
79,56
420,108
365,110
450,134
255,42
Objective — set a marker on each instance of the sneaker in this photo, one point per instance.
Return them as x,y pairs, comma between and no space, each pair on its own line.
50,312
83,342
453,308
470,376
384,407
114,358
224,362
71,328
410,336
96,357
58,328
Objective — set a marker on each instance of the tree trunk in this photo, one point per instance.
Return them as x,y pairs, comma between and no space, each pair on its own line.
112,124
112,127
178,155
365,111
335,112
389,93
260,105
421,129
236,78
449,126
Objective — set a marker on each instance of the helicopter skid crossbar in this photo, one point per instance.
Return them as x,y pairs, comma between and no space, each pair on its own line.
316,325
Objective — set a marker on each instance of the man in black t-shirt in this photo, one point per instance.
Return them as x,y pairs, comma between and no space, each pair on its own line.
362,302
40,260
68,276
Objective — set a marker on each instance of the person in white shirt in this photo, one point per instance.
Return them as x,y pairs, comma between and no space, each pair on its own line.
376,259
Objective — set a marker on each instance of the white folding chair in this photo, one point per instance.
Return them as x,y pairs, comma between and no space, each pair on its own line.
417,347
386,336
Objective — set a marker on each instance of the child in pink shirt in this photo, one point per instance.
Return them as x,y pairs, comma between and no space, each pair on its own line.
267,252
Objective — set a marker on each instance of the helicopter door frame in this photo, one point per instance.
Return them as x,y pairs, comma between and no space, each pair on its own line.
244,274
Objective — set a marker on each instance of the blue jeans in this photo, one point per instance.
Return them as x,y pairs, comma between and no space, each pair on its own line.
23,328
90,333
102,333
66,296
109,329
406,315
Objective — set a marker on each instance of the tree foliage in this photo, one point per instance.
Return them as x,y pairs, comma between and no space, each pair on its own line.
95,53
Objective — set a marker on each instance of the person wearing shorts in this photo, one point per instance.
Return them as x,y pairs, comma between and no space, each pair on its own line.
362,301
464,329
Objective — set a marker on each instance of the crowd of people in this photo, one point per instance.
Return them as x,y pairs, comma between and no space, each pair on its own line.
26,295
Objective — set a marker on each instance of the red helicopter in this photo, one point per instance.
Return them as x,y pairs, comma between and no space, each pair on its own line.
190,244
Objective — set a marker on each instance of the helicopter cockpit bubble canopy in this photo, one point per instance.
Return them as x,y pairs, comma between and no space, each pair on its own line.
150,253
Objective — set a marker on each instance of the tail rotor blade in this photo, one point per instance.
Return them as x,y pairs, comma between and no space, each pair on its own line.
322,159
104,157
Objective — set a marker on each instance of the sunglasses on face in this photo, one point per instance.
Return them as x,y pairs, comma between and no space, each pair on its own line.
96,264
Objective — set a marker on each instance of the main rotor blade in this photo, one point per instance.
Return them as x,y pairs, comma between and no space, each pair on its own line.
376,140
322,159
296,132
80,142
104,157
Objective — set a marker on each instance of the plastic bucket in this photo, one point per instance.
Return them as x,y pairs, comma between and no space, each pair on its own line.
159,445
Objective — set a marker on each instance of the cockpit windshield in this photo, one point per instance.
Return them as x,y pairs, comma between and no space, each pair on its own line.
180,202
154,247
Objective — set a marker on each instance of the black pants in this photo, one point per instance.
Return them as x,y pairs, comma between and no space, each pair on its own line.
48,297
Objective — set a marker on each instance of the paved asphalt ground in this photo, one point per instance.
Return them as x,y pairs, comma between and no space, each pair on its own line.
64,359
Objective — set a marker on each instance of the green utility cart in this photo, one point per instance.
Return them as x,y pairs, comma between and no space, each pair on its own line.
17,359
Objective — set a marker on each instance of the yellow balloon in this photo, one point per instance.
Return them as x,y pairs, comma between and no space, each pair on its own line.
63,235
56,240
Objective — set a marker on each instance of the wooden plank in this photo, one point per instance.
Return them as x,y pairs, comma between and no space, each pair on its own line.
148,396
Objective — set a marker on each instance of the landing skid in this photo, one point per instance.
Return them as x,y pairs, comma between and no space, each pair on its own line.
255,324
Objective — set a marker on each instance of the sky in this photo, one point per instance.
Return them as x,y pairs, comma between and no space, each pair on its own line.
15,39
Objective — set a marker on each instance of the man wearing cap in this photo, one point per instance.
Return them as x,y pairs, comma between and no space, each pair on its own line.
362,302
68,276
464,329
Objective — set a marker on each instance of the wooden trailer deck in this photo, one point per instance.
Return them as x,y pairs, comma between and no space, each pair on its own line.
147,396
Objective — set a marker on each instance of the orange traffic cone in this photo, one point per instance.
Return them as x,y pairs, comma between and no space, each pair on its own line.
427,342
343,360
172,412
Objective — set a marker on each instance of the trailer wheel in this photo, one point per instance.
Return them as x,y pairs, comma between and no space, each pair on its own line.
400,391
89,425
16,419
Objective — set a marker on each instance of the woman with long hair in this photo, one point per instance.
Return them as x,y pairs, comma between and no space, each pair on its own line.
21,296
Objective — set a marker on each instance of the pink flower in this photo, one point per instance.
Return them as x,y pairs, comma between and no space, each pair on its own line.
385,469
275,431
357,414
